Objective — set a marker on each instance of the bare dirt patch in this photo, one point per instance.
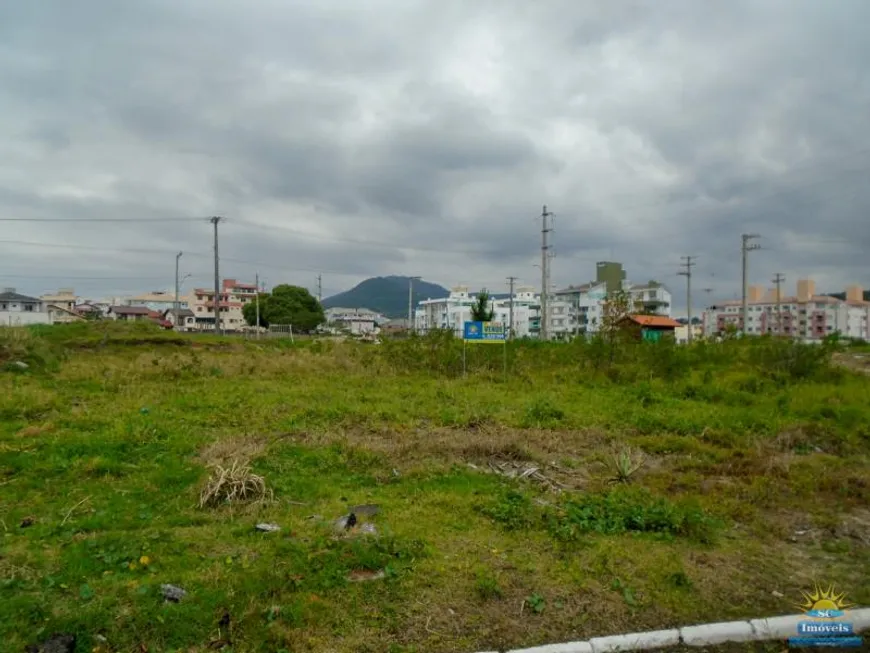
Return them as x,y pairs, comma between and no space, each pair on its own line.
240,448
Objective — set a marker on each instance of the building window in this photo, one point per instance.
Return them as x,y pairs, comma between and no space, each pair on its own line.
28,308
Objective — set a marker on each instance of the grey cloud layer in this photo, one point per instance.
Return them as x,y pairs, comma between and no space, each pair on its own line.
651,129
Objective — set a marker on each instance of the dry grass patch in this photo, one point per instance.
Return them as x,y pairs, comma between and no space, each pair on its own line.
226,450
35,429
460,445
235,483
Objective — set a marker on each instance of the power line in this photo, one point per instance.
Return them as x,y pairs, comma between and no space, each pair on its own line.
103,219
129,250
82,278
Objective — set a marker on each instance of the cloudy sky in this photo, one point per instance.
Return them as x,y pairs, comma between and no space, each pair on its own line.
421,137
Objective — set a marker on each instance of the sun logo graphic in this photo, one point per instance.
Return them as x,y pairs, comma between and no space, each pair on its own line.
824,603
826,608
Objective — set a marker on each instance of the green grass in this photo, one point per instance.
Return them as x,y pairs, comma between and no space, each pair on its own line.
755,481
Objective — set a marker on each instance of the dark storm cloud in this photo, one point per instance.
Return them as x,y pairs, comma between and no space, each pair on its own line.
423,137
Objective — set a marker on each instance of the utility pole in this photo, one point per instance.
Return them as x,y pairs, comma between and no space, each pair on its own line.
217,283
411,303
511,281
746,247
778,279
545,273
320,288
257,304
177,305
687,265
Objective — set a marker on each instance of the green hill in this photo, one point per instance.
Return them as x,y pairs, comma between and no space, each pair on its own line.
387,295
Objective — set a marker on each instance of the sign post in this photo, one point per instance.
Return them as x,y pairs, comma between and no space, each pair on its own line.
485,333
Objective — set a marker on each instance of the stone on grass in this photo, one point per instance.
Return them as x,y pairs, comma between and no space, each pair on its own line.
267,528
368,529
21,365
368,509
172,593
362,575
58,643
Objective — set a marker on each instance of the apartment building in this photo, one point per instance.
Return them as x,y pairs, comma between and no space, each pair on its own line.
573,311
61,305
233,297
453,311
356,321
586,302
804,316
21,310
157,300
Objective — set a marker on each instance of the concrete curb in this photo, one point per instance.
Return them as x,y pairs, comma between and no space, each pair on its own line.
754,630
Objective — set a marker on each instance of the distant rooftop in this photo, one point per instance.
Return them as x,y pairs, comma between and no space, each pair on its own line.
9,295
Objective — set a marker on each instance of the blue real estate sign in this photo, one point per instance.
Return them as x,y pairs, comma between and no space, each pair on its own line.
484,332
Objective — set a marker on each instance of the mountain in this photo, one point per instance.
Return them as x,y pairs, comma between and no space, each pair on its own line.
387,295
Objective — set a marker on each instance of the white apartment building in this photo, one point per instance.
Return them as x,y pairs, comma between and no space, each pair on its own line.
233,297
158,300
573,311
453,311
586,304
449,312
805,316
21,310
357,321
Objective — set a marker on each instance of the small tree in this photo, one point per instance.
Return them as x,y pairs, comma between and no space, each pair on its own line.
480,310
286,305
618,306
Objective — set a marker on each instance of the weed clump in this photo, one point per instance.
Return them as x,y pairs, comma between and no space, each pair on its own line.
513,511
234,484
624,464
625,510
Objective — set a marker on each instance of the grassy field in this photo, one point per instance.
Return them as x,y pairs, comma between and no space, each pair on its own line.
673,486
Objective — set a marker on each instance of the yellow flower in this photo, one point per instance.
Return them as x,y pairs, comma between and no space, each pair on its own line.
144,561
132,566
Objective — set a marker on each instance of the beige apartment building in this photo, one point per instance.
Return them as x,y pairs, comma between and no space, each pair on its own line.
233,297
60,306
804,316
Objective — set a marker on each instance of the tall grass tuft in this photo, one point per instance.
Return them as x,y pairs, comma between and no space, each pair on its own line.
236,483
